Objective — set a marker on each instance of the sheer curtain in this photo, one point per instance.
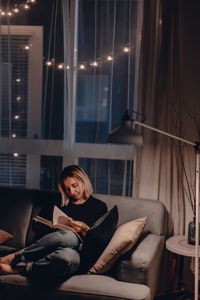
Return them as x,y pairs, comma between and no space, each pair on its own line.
101,48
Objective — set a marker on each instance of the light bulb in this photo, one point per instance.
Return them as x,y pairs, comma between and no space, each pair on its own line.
14,135
18,80
18,98
94,64
67,67
126,49
16,10
15,154
9,13
60,66
49,63
3,13
27,47
16,117
82,67
26,6
109,58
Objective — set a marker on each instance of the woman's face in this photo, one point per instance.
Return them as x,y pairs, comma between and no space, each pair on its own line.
74,188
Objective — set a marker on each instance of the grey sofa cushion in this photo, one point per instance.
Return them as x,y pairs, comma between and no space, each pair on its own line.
77,287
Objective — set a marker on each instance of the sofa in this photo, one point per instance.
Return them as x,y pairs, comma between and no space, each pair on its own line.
135,275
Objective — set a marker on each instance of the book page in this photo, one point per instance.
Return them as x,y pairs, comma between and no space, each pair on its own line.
59,217
43,221
59,220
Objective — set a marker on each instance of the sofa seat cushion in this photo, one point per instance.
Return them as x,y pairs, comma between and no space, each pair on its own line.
80,287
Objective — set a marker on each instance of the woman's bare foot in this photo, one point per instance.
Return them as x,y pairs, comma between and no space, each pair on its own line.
10,259
8,269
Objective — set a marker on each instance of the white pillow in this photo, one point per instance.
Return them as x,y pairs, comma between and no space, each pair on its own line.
5,236
122,241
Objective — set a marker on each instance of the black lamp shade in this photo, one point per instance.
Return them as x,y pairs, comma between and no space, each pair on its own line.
125,134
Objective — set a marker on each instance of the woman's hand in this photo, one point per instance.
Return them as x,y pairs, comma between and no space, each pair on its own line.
79,226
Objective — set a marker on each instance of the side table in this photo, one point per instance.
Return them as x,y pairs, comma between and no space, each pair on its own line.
178,245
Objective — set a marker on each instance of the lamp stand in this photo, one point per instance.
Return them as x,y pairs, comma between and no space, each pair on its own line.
197,169
197,153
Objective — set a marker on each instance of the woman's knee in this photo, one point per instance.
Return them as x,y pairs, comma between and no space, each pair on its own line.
65,261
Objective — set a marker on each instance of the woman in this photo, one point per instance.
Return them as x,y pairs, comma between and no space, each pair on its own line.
57,253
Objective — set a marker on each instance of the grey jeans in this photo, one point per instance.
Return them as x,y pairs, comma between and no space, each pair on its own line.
54,255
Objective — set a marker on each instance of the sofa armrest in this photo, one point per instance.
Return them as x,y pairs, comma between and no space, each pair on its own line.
143,264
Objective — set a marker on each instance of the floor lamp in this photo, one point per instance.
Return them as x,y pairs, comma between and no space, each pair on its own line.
125,134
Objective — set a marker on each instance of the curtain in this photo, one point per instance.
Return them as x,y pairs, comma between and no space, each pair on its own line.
101,48
169,96
160,100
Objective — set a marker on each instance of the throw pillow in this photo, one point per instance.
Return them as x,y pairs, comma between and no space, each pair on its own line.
122,241
5,236
97,238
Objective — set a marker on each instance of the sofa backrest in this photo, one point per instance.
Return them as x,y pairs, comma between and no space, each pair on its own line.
131,209
19,206
15,213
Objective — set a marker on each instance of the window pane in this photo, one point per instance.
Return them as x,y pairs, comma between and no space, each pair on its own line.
107,175
51,166
14,75
13,170
107,37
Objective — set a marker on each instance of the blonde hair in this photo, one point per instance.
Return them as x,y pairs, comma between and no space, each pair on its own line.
80,175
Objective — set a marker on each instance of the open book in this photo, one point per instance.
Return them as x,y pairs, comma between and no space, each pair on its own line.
59,220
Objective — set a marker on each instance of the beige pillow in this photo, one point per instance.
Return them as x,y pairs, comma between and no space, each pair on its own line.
122,241
5,236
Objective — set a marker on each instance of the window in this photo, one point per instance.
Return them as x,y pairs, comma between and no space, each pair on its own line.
76,106
107,68
20,101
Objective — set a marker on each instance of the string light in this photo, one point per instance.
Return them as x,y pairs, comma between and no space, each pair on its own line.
15,154
96,63
126,49
8,11
14,135
16,117
49,63
109,58
26,6
82,67
16,10
60,66
18,80
27,47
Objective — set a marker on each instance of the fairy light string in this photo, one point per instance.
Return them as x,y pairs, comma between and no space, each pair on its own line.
92,64
10,11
